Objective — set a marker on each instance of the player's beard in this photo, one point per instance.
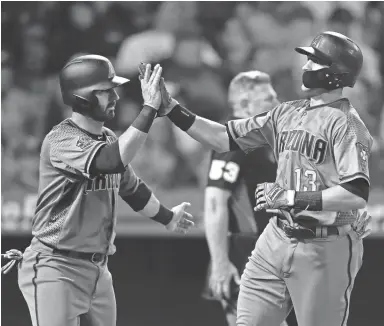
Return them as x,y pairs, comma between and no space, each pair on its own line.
103,114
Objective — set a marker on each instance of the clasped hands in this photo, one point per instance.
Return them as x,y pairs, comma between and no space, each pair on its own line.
275,199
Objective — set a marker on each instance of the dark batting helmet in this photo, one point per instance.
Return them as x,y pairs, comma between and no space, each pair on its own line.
84,75
342,56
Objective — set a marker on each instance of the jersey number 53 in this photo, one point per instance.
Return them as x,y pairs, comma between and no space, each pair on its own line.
229,171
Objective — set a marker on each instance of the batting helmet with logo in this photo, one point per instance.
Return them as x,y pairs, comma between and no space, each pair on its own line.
84,75
342,56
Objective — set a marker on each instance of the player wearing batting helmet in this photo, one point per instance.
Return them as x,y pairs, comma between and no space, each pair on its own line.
82,78
311,251
84,167
340,57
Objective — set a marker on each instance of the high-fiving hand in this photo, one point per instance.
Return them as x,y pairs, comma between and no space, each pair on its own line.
167,102
150,85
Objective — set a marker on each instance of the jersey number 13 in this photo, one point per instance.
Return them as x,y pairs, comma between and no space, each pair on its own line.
310,179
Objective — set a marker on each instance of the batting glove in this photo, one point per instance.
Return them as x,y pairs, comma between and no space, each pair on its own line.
271,195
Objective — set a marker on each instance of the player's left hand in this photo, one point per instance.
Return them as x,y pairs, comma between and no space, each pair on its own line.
271,195
182,221
360,226
168,102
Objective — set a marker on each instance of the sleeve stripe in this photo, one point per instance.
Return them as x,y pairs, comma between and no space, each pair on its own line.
232,130
92,155
140,198
152,209
355,176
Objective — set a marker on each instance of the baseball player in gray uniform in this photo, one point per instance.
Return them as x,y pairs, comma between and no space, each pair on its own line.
311,251
84,167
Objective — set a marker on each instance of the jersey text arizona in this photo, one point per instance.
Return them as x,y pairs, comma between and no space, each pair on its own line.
314,148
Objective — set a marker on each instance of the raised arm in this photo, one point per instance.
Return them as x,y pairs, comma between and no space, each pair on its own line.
208,133
115,157
134,137
245,134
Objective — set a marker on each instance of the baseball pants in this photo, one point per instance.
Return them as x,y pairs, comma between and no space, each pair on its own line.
64,291
316,276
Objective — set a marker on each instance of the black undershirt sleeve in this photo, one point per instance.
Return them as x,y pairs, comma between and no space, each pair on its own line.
232,144
358,187
107,160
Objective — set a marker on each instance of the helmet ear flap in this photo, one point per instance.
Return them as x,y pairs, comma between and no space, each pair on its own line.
80,102
83,103
328,79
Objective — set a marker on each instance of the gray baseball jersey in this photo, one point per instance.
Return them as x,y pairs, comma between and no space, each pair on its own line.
76,211
315,147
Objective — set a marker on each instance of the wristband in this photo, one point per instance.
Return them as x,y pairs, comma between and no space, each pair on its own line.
163,216
144,120
309,200
182,117
291,198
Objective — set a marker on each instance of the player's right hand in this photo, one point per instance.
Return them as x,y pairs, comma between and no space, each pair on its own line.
220,279
150,85
167,101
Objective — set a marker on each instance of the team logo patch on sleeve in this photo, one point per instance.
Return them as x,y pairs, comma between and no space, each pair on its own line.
363,154
84,142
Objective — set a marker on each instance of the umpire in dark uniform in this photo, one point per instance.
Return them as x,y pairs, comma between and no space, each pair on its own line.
232,226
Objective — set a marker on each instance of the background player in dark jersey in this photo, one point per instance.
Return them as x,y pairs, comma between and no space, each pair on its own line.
231,225
84,167
310,253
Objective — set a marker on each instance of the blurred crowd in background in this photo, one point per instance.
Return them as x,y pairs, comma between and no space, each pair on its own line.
201,46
